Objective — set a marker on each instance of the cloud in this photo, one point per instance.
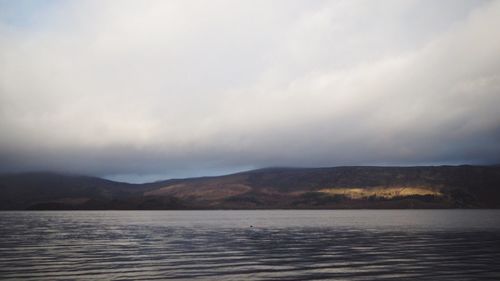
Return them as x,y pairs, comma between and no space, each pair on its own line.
182,88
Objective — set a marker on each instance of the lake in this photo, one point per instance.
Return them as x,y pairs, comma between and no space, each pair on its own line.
251,245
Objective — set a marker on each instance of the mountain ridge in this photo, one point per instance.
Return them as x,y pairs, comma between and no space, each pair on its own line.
445,186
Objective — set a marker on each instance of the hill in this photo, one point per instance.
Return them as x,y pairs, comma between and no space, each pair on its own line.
284,188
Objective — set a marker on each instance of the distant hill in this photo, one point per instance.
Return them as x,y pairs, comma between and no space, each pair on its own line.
283,188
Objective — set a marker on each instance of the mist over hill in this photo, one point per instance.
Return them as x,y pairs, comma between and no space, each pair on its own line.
273,188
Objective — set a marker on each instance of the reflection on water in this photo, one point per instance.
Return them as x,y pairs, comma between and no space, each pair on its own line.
222,245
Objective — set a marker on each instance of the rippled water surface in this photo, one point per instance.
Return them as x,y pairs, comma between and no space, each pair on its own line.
251,245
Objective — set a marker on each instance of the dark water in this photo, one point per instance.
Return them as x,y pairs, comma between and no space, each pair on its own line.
221,245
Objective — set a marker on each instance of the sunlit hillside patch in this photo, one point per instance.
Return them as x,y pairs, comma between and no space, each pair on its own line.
382,192
208,191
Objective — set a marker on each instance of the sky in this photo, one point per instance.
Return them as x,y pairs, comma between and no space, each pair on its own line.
147,90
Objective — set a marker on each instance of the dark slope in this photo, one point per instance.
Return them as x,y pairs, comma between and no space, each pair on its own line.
338,187
20,191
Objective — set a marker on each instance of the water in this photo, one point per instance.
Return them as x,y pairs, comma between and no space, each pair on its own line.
222,245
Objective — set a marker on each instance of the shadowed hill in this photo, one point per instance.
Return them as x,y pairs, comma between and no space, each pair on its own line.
25,189
337,187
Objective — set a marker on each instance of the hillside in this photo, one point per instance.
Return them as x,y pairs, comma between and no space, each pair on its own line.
300,188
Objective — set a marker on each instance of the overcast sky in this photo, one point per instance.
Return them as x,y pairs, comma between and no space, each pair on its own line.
143,90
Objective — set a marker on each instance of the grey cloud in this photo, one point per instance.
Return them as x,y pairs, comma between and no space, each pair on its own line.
185,88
